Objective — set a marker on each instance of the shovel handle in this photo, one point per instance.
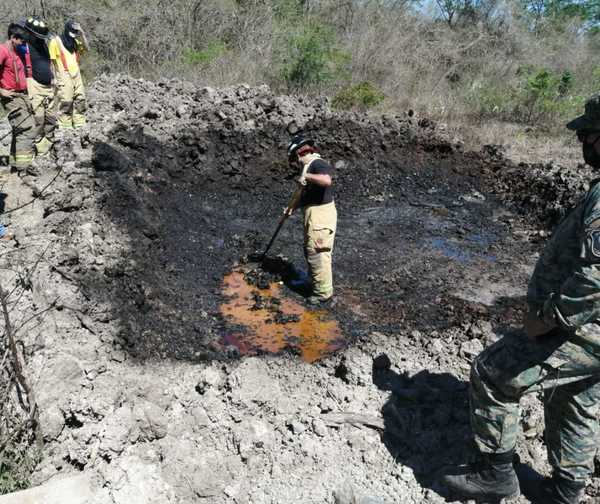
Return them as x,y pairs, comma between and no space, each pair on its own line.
279,226
293,203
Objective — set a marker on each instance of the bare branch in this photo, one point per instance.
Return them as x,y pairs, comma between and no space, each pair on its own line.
18,363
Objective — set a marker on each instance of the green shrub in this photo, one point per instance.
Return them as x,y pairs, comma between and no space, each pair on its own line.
214,50
565,85
595,80
16,468
311,58
538,95
362,96
490,99
11,482
543,93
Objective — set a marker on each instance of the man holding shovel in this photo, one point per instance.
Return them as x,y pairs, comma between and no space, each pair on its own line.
320,214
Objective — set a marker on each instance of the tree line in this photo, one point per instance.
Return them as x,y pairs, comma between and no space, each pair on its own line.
529,61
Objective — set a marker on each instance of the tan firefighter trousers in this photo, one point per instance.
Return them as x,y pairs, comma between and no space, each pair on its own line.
320,224
18,111
43,103
71,101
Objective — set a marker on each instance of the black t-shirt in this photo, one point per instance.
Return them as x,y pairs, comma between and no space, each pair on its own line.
40,62
314,194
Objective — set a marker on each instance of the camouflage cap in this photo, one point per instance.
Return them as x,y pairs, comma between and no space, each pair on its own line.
590,120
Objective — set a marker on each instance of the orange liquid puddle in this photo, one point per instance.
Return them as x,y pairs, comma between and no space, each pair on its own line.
315,334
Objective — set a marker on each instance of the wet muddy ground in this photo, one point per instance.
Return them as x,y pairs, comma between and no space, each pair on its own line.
164,370
409,231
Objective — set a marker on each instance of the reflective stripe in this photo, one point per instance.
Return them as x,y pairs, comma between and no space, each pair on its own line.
78,120
63,58
43,146
65,122
21,160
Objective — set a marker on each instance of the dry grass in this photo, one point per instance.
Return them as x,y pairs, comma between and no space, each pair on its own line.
522,143
443,72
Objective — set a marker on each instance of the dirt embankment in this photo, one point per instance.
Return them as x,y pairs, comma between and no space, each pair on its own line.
163,194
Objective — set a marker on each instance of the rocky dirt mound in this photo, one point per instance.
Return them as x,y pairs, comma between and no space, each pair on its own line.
120,264
543,192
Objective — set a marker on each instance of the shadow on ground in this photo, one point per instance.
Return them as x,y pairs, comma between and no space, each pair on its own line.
427,426
426,422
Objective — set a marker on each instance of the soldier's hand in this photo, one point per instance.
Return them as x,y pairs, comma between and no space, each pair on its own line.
302,181
535,326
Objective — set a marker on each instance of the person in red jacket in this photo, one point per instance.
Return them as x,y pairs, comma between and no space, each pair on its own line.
15,68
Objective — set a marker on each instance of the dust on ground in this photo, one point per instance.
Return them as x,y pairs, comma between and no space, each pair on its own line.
137,364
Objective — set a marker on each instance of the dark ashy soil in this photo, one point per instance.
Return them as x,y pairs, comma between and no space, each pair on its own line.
199,179
172,187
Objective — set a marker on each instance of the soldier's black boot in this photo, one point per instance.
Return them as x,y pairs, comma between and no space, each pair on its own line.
490,479
561,491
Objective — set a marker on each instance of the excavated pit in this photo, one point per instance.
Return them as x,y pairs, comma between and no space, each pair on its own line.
197,194
154,380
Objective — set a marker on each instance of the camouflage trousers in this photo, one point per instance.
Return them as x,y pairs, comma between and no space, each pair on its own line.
566,372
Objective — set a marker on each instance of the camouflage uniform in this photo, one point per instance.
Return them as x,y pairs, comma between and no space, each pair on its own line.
565,363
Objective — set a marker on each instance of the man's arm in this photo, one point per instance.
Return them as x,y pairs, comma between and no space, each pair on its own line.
3,57
320,179
294,201
85,46
54,53
5,93
578,300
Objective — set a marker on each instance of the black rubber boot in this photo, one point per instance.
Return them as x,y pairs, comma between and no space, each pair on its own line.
490,479
562,491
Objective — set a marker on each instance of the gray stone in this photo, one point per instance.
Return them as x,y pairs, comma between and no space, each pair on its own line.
253,435
344,494
138,481
368,499
209,378
52,421
319,427
200,416
117,431
151,421
61,490
251,384
470,349
296,426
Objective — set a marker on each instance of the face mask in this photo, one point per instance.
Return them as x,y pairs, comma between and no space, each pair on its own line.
21,49
591,156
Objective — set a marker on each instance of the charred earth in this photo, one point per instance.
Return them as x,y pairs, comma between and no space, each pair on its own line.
147,383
